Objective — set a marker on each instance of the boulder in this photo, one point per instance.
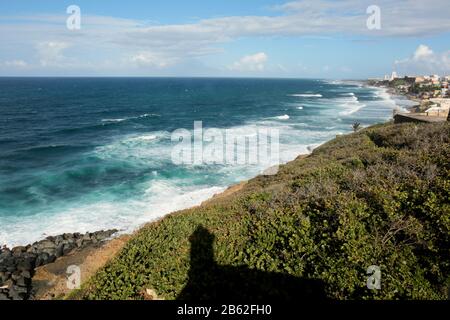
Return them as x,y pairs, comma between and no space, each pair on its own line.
67,248
59,239
45,244
18,293
3,277
86,236
17,251
3,296
79,243
42,259
26,274
59,250
26,264
23,282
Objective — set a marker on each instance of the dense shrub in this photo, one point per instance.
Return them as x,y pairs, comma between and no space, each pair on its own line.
380,196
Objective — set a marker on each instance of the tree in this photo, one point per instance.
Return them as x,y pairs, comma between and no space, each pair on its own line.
356,126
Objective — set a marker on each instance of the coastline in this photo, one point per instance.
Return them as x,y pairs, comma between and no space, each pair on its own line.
393,94
49,280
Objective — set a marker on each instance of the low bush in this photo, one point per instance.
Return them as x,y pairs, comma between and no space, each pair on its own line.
380,196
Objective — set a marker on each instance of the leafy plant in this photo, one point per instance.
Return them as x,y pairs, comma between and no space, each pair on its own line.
380,196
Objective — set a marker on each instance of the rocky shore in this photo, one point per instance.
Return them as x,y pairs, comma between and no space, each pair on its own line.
17,265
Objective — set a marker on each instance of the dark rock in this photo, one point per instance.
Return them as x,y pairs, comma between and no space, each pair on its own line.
59,239
17,251
59,250
18,293
5,253
67,236
45,244
9,262
26,274
23,282
15,276
32,249
86,243
4,276
42,259
3,296
26,263
17,265
67,248
49,251
11,269
86,236
79,243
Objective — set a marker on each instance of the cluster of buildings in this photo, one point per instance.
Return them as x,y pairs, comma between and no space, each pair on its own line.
431,92
423,87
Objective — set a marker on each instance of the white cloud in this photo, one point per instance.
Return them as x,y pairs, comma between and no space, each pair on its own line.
15,63
127,43
150,59
250,63
425,61
423,52
51,53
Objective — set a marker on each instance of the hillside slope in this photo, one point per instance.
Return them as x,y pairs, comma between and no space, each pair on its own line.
380,197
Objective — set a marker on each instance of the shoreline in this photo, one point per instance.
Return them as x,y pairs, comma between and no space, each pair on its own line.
129,229
394,93
49,279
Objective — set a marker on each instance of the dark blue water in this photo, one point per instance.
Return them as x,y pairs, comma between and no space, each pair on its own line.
82,154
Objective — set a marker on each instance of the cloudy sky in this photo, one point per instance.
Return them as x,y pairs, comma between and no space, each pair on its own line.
239,38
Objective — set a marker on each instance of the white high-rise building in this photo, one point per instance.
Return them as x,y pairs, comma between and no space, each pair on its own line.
393,76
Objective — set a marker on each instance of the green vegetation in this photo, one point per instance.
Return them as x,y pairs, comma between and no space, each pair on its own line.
428,88
356,126
380,196
398,82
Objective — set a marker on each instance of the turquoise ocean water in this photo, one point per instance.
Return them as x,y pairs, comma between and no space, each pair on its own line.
84,154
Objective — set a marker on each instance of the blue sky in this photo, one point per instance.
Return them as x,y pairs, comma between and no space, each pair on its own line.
251,38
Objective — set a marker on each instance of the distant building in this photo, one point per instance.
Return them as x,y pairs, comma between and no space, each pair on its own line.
435,80
419,79
393,76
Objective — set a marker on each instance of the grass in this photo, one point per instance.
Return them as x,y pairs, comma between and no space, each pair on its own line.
380,196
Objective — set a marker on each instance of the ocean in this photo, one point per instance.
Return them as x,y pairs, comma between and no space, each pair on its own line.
85,154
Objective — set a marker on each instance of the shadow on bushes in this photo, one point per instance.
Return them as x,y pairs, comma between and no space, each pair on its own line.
210,281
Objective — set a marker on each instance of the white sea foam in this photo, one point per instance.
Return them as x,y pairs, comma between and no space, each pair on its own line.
307,95
145,115
148,115
300,108
388,99
113,120
161,198
145,137
159,195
